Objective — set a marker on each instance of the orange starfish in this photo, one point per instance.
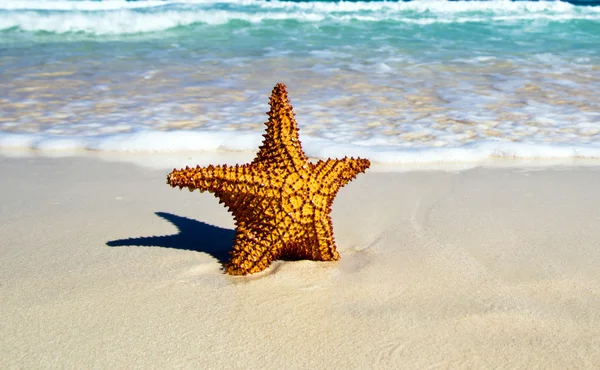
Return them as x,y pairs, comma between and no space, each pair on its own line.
281,202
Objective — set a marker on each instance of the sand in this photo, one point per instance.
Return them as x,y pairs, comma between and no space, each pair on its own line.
105,266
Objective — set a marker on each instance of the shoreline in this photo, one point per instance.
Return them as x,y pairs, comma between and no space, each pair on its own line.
483,267
168,160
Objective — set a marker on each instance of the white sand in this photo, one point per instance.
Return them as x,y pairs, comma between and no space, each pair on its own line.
485,268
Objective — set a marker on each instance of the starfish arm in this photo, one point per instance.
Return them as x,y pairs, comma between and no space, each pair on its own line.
216,179
317,242
253,251
335,173
281,145
326,250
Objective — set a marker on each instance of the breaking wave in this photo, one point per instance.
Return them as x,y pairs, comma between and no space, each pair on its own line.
125,17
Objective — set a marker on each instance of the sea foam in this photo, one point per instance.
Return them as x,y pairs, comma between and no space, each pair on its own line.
315,147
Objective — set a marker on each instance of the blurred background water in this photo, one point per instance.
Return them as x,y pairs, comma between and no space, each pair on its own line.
416,81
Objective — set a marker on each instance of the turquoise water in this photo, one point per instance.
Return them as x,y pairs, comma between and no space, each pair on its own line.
395,81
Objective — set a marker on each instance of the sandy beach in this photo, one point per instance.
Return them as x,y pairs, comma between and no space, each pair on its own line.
105,266
472,241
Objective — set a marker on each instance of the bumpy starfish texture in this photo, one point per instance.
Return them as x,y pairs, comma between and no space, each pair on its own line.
281,202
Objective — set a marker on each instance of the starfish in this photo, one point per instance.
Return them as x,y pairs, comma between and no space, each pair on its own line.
280,201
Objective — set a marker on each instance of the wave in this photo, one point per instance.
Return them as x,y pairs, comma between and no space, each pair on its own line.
123,17
127,22
319,6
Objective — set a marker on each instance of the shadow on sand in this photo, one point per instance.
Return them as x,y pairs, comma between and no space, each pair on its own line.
193,235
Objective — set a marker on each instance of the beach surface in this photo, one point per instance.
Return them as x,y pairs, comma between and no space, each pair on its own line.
105,266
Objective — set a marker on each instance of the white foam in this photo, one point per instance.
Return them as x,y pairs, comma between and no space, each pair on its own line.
77,5
143,141
131,22
169,141
222,142
431,6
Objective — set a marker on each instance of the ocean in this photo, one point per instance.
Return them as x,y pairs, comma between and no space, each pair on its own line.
392,81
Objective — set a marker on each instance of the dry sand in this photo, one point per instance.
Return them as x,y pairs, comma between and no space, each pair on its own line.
484,268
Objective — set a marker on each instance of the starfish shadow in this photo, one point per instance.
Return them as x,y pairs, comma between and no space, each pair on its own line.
193,235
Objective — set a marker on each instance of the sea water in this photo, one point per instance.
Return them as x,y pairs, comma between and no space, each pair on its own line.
393,81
